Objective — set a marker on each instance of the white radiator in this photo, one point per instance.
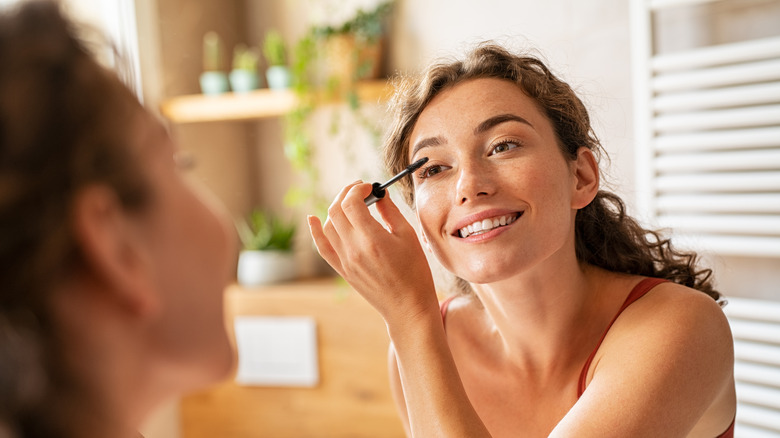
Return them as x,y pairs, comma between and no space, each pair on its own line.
756,328
708,139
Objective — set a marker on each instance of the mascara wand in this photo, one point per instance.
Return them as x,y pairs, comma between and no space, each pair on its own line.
378,190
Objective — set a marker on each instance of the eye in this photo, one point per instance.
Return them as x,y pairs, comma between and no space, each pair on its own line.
429,171
503,146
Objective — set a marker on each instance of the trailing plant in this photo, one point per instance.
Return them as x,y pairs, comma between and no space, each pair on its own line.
309,86
298,143
265,231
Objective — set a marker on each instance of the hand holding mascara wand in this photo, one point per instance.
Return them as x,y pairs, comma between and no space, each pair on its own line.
378,190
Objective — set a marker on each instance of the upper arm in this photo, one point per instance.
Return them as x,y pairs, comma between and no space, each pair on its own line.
662,365
397,389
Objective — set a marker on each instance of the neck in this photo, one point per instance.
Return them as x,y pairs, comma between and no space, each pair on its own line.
115,387
546,317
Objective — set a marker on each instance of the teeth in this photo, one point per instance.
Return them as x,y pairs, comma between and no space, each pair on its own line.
486,225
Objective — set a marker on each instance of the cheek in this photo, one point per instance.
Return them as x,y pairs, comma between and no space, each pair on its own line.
431,215
549,179
430,210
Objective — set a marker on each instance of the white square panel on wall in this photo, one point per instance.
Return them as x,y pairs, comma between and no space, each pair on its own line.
276,351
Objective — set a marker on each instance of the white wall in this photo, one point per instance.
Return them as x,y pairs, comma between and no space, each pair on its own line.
586,42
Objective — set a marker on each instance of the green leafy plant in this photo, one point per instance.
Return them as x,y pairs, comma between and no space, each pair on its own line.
265,231
245,58
212,52
367,25
274,49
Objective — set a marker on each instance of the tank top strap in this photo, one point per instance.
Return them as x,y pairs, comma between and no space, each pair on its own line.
729,433
443,307
636,293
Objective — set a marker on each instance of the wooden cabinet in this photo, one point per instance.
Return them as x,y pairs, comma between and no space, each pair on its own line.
353,397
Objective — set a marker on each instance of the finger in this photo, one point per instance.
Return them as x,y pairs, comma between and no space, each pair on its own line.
323,244
334,239
336,215
357,211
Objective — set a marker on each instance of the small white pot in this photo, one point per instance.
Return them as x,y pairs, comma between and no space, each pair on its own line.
265,267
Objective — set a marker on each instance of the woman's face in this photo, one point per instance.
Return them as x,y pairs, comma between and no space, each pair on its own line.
496,197
192,250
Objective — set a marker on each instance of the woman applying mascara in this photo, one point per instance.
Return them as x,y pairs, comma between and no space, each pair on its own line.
572,319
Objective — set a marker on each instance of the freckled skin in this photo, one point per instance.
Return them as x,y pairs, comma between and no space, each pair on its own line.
531,177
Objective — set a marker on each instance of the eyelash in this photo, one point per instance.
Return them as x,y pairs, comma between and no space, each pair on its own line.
423,172
504,142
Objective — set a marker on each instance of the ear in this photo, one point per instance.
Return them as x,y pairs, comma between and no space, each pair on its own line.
586,178
113,253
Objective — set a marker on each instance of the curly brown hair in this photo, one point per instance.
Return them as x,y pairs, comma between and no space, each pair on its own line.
65,123
606,236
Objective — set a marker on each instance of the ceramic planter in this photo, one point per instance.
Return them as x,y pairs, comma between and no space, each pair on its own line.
348,59
257,268
244,81
213,82
278,77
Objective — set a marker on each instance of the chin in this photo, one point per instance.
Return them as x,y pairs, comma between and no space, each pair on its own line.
481,272
214,364
224,361
481,277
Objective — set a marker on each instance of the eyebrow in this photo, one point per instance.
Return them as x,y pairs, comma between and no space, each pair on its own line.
430,141
481,128
499,119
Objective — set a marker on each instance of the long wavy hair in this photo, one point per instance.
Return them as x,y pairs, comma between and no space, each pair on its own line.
606,236
65,123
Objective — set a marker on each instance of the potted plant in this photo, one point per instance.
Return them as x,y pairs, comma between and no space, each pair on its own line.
354,49
266,256
213,80
243,77
275,52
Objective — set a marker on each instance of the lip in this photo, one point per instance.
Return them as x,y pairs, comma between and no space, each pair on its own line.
482,215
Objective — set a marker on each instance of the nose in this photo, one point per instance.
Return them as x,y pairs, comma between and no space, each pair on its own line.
474,181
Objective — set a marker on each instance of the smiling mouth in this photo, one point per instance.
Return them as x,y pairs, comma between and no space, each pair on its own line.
485,225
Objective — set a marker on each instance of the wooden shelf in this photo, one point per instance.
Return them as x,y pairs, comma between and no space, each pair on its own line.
259,104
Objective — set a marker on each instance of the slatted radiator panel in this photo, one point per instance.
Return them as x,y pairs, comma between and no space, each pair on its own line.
708,125
755,325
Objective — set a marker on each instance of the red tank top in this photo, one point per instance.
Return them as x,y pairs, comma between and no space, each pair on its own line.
638,292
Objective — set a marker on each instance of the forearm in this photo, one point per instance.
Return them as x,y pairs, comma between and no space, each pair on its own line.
436,401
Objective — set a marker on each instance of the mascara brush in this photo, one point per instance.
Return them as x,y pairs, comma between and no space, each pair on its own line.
378,191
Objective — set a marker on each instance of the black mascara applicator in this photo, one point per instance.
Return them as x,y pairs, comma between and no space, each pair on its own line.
378,190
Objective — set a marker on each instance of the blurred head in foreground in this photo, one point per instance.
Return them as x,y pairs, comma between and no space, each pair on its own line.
112,264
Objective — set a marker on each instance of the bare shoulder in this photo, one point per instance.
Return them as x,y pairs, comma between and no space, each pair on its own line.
674,343
674,319
671,308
